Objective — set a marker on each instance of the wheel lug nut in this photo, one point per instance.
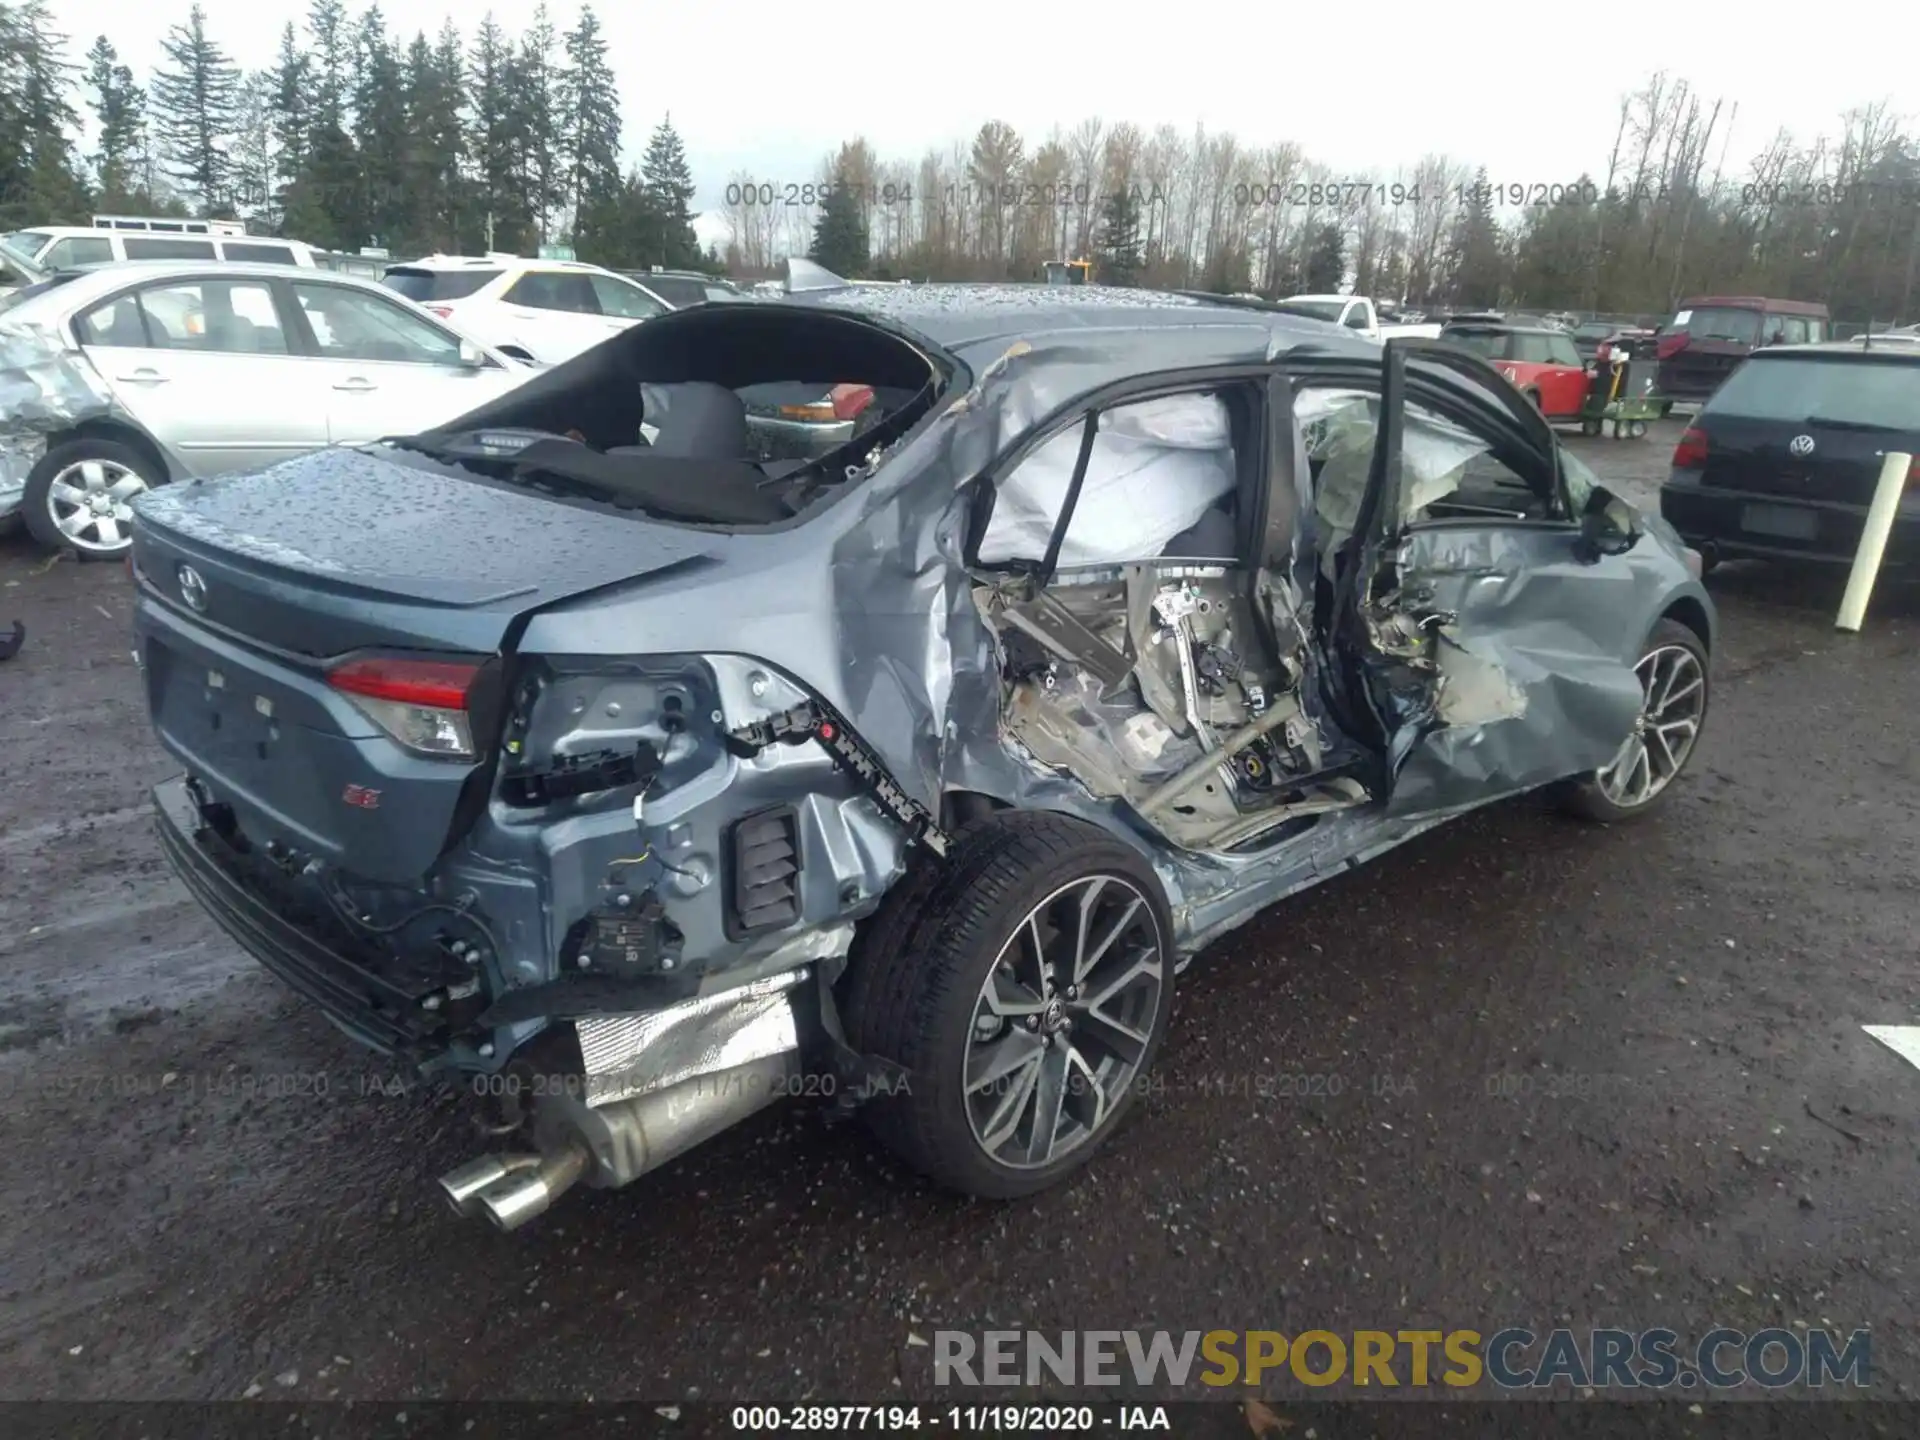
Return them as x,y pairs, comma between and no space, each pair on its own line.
1033,1022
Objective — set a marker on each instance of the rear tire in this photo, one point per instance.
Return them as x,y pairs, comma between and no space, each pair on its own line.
1675,678
78,498
1019,1069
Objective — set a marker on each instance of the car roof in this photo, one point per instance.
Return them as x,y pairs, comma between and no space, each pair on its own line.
1895,349
1505,327
1755,302
962,318
495,262
91,280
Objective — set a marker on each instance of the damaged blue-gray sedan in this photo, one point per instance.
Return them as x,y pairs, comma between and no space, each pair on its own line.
582,755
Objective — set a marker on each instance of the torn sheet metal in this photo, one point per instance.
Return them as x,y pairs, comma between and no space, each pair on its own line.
1535,668
627,1055
45,386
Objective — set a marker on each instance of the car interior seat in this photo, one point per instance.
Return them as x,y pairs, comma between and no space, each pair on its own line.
124,329
694,419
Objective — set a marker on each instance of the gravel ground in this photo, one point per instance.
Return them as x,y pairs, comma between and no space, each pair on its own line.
1586,1076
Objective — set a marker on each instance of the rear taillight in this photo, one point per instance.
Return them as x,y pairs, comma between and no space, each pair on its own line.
1691,452
1913,473
422,704
849,400
1667,346
443,311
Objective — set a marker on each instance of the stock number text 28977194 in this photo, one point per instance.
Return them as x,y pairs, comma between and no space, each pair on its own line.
774,194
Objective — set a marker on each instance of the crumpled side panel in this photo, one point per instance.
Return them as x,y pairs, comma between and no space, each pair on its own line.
45,386
1535,667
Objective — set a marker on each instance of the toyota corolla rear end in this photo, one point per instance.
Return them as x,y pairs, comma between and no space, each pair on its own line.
590,886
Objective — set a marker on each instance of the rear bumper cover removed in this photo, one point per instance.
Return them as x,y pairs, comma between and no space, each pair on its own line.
372,1009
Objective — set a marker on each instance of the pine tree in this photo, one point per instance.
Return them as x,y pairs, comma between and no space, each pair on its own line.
13,119
1326,260
253,148
325,201
119,114
448,134
496,139
195,101
669,187
379,130
589,116
431,159
537,96
332,63
1117,249
840,234
1475,257
292,118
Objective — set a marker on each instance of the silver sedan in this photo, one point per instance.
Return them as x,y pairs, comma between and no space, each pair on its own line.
121,377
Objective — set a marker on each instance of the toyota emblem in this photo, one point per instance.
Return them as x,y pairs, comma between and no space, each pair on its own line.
1800,445
193,589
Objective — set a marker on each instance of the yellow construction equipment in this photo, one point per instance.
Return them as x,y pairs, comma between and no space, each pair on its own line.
1068,272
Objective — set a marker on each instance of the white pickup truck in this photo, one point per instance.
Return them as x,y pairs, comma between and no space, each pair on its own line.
1353,312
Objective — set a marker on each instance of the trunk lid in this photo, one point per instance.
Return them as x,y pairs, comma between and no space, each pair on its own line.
1811,426
342,549
338,553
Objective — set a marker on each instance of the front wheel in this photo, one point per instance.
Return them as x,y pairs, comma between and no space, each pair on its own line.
1674,687
1024,984
80,497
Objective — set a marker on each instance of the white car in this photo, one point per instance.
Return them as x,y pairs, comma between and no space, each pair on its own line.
540,311
132,375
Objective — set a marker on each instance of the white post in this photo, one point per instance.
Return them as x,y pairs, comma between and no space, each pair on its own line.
1873,540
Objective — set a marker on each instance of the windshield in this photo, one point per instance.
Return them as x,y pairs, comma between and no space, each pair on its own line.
1594,330
1719,322
1846,389
17,267
28,242
1314,309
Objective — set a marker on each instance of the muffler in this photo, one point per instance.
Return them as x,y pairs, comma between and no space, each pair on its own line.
613,1145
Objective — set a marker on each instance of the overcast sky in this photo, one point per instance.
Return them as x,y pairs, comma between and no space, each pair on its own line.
772,88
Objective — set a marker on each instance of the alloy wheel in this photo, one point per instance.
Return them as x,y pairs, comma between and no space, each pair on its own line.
1674,690
91,504
1063,1021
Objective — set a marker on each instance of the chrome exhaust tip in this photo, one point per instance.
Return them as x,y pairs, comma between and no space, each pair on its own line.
510,1201
462,1187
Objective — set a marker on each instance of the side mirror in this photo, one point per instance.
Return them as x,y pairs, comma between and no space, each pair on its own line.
472,356
1608,524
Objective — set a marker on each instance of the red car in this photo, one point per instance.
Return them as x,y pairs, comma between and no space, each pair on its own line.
1539,360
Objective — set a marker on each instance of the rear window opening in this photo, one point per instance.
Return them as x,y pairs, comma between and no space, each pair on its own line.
733,416
1487,344
1839,388
422,286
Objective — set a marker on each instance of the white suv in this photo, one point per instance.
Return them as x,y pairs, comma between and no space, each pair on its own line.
543,311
